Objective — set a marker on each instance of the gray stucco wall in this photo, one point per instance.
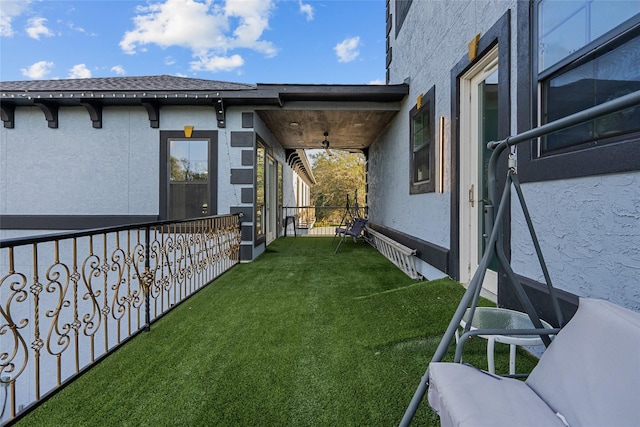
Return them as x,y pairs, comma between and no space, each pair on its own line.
424,53
78,170
228,158
589,232
62,171
229,195
589,227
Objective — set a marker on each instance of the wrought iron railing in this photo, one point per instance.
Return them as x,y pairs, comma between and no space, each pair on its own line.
320,220
67,300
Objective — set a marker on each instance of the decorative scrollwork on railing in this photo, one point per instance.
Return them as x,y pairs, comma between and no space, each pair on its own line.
103,285
14,352
58,339
91,317
121,298
136,260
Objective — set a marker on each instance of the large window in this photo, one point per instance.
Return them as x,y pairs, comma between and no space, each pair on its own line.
188,174
188,178
588,53
565,27
422,146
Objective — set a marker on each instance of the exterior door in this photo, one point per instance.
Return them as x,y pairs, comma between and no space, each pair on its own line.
478,125
271,199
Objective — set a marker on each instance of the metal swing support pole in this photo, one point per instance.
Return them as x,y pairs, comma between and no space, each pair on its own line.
347,211
494,245
470,295
498,147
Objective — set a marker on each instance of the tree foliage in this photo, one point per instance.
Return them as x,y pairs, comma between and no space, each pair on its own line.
337,176
183,170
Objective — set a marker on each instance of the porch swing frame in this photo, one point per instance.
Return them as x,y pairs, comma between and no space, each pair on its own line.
495,247
350,211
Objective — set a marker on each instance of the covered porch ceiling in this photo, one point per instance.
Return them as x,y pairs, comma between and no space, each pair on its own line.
353,116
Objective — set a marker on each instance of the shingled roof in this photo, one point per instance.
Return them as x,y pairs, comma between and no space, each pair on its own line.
140,83
319,108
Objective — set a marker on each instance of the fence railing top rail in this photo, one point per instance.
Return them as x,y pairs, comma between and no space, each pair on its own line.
20,241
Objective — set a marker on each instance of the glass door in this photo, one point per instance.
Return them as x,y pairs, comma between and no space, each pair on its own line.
478,125
487,131
271,196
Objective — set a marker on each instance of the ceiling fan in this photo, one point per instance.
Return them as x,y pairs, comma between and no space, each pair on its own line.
325,144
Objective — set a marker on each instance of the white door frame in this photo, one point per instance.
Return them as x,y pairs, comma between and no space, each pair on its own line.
470,173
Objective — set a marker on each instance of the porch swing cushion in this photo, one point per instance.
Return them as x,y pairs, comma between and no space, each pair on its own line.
589,376
465,396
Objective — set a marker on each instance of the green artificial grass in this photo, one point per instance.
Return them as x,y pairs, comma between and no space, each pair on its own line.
299,337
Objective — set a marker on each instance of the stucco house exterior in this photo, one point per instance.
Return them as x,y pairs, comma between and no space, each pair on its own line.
88,153
485,70
459,74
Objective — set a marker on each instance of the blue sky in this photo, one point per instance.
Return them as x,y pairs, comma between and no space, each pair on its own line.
246,41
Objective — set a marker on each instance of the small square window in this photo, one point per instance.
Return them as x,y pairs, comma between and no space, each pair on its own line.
422,153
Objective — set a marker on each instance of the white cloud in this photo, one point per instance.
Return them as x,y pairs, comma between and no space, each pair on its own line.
185,23
81,30
36,27
39,70
79,71
377,82
306,9
347,50
208,29
217,63
118,69
8,11
253,17
168,60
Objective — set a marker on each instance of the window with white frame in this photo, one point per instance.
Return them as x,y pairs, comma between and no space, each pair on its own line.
588,53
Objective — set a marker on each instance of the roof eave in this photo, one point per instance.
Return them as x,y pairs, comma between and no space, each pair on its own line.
296,92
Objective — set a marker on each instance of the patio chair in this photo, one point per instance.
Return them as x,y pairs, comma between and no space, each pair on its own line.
355,230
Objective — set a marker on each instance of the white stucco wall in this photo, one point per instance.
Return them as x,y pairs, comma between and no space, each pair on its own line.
62,171
433,39
229,158
289,177
78,170
589,232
